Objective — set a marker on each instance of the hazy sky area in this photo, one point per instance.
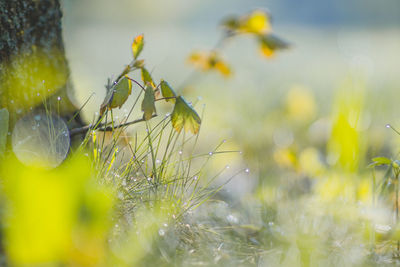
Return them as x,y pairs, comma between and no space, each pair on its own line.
300,12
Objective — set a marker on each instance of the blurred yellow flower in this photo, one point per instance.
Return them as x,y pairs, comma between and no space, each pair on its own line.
285,158
310,162
364,191
335,186
345,147
300,104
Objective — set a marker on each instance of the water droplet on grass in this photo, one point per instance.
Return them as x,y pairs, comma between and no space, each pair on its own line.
45,143
161,232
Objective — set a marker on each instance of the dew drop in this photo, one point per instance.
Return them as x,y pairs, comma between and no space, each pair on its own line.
232,219
161,232
180,152
247,170
59,98
388,125
210,153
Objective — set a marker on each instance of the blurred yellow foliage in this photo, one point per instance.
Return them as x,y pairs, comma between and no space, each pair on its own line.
345,186
54,217
286,158
364,191
335,186
310,162
300,104
257,22
207,61
345,147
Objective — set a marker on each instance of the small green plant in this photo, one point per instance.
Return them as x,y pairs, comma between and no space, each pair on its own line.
387,190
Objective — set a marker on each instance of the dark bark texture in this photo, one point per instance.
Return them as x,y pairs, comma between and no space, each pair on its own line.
33,69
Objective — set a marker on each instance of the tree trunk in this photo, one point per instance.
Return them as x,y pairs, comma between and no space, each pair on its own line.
34,73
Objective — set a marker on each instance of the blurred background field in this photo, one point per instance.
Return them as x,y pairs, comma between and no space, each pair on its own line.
352,47
305,124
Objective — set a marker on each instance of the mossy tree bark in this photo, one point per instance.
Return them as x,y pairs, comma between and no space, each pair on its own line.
34,73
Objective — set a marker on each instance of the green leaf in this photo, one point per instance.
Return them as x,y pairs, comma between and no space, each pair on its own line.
231,23
146,77
117,95
167,91
148,106
270,43
380,161
4,118
184,116
137,46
